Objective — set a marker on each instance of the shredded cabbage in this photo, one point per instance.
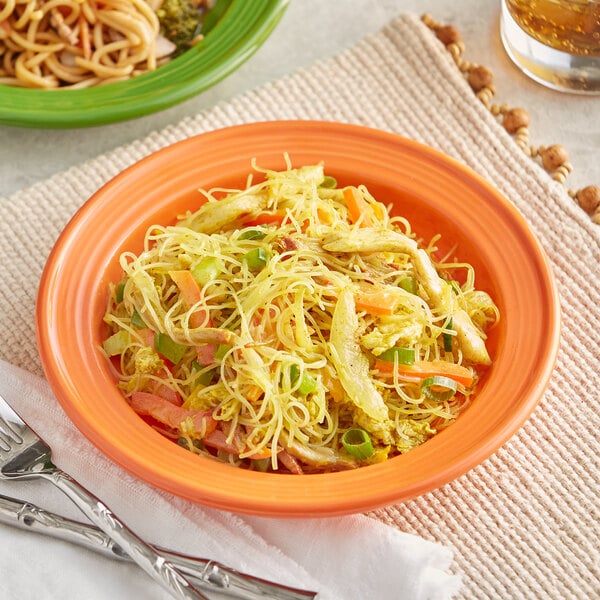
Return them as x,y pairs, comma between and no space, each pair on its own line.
265,364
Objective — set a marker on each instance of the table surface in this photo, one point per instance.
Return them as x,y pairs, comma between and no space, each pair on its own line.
311,30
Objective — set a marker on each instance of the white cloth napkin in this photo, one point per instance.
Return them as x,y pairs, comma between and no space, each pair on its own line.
343,558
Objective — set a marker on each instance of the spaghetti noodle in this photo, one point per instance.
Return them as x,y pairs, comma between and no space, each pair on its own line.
296,327
78,43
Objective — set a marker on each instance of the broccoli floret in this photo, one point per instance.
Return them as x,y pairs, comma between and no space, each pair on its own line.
180,22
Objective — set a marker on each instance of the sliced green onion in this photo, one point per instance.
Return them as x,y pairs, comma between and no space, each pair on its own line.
120,291
405,356
328,182
136,320
253,234
204,377
169,348
256,259
409,284
206,270
116,343
448,336
438,388
221,351
261,464
307,384
357,443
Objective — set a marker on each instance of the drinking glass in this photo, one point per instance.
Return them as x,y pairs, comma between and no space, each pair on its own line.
555,42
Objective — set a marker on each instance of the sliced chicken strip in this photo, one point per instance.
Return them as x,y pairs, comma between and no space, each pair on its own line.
368,240
352,368
214,216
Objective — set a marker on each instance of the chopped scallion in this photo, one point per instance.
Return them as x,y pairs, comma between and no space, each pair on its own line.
357,443
438,388
136,320
328,182
261,464
409,284
256,259
253,234
169,348
307,384
448,337
221,351
116,343
204,376
404,356
206,270
120,290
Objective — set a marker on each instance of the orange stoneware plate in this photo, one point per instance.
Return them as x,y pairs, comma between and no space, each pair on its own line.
437,195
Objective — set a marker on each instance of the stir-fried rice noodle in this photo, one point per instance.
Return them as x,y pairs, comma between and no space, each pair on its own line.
263,327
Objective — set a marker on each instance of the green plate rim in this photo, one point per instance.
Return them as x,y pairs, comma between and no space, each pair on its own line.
239,33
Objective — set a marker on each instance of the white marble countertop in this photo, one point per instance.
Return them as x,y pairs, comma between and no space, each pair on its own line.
314,29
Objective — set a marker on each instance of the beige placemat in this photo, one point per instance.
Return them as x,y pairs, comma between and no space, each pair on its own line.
524,524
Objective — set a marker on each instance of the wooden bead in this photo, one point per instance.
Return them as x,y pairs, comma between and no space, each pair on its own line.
589,198
554,157
479,78
514,119
486,95
429,21
456,49
448,34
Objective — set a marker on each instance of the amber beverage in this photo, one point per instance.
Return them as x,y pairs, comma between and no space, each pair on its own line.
556,42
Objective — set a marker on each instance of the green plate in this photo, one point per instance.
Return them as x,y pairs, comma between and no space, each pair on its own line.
234,30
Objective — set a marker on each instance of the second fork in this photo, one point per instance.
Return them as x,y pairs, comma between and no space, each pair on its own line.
24,455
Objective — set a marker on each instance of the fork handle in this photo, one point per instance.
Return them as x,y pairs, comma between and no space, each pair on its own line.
146,557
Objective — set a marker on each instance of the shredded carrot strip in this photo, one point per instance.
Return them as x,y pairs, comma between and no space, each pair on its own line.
428,368
378,302
191,294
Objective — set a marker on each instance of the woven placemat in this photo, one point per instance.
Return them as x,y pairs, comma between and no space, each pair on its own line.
525,523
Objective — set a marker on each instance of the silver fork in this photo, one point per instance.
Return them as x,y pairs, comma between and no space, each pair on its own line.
207,574
24,455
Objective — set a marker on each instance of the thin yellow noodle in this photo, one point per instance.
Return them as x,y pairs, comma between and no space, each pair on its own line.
280,321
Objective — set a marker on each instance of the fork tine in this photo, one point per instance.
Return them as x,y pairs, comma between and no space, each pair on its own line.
8,415
4,443
9,432
29,456
21,448
13,426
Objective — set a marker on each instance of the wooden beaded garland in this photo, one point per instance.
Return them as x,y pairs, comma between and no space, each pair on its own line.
554,158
